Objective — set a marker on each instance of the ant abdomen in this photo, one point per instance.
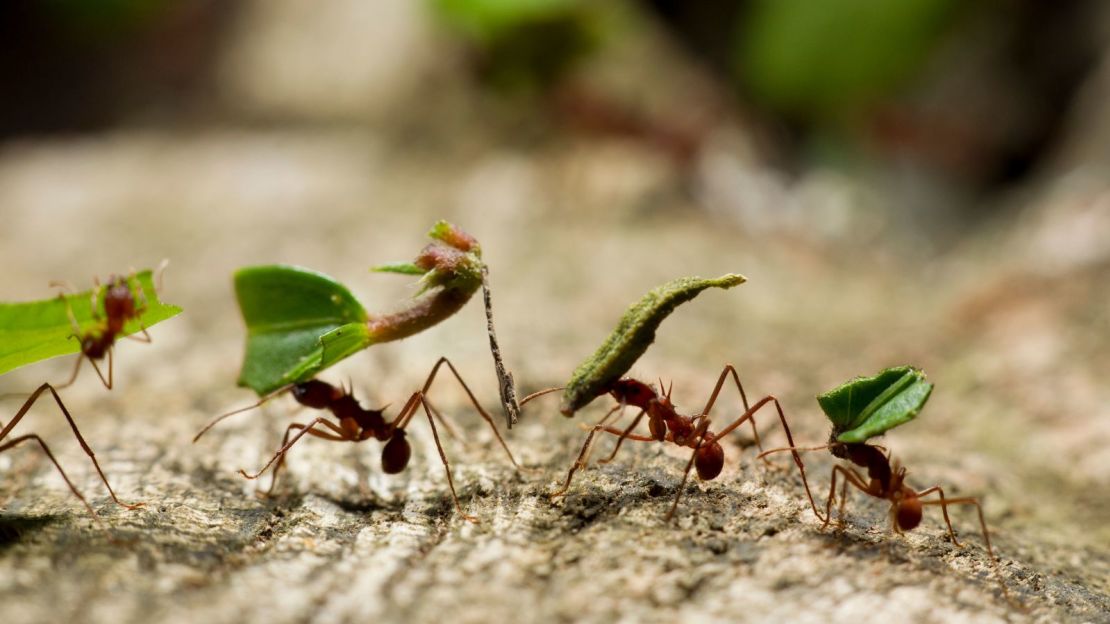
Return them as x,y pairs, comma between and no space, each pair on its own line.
710,460
396,453
909,511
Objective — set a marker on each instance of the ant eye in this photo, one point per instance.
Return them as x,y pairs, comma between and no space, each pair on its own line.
395,455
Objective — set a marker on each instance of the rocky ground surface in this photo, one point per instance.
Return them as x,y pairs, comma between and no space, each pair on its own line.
1010,318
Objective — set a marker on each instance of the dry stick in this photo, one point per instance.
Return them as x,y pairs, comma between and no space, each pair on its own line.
504,377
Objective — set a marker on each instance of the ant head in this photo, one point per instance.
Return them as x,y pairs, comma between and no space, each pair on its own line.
118,300
315,394
633,392
907,510
710,459
836,447
396,453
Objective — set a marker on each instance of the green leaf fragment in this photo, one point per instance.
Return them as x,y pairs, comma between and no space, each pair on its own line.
869,406
632,337
287,309
300,322
38,330
344,341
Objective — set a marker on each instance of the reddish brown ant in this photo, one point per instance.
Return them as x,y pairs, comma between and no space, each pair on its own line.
667,425
356,424
9,444
120,306
886,481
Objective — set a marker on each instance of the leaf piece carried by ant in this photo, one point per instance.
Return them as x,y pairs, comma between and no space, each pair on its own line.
869,406
300,322
37,330
632,337
287,309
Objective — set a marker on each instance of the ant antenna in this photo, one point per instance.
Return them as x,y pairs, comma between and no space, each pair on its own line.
240,410
540,393
791,448
158,274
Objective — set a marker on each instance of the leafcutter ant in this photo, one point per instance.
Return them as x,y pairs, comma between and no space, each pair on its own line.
665,424
350,422
120,306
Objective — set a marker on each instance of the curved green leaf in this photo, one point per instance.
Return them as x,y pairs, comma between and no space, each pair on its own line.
632,337
38,330
869,406
300,322
287,309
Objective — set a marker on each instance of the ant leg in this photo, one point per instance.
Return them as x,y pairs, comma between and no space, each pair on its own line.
280,455
81,440
583,455
945,502
843,503
622,436
473,401
703,426
140,307
416,400
240,410
730,369
142,329
107,382
73,376
45,449
285,439
850,476
750,415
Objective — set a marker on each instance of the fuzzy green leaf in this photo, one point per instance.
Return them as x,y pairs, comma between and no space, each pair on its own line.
869,406
287,309
38,330
632,337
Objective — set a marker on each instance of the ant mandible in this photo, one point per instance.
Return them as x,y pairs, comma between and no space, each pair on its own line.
665,424
9,444
356,424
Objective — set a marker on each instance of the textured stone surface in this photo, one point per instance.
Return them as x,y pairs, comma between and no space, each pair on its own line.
1018,416
1009,319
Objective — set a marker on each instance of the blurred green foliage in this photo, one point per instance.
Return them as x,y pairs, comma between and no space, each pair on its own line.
822,60
524,45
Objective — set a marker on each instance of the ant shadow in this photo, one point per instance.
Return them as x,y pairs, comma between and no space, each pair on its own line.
13,529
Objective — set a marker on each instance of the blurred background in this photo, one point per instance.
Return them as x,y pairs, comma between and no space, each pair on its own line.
922,182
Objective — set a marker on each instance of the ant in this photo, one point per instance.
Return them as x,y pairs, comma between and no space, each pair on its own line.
120,306
356,424
12,443
886,481
665,424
